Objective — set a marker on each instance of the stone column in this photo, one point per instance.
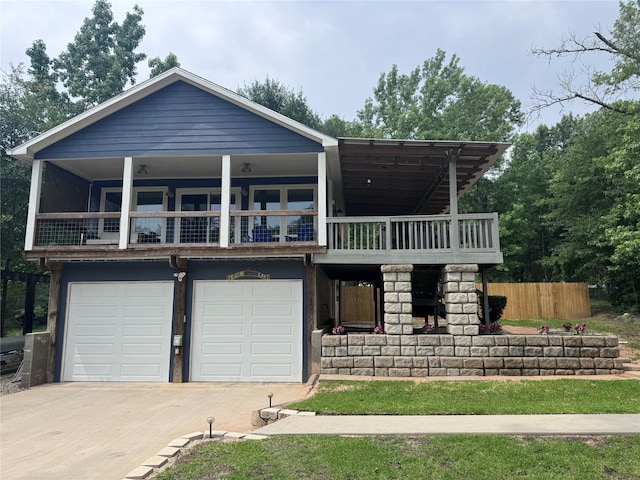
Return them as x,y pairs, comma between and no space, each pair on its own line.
462,300
397,299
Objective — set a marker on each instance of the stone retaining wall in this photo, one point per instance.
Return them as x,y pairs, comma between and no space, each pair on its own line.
449,355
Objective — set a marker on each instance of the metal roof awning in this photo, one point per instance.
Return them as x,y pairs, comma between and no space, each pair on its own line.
404,177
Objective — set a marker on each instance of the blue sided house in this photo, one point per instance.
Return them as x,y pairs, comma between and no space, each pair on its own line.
193,235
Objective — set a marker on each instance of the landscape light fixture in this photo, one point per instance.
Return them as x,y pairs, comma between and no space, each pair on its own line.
270,395
246,168
210,420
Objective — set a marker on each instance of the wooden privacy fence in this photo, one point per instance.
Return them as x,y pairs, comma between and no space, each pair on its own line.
357,304
543,300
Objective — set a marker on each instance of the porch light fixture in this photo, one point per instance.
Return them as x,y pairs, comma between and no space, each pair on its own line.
210,420
246,168
142,169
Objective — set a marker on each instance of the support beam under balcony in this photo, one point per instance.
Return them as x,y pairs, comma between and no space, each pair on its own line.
322,199
225,201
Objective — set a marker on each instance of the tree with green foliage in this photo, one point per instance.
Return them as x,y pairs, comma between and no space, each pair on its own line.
622,44
276,96
101,60
438,101
158,66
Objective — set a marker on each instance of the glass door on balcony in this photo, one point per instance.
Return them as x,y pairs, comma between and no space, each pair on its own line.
205,229
283,228
149,229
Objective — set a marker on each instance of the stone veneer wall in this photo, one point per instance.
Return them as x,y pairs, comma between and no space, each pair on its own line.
442,355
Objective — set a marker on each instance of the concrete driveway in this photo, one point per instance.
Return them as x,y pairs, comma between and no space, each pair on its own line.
103,431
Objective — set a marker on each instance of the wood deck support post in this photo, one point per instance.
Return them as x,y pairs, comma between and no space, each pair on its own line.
179,311
311,302
55,287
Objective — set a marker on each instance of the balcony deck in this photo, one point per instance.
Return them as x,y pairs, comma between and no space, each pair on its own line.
418,239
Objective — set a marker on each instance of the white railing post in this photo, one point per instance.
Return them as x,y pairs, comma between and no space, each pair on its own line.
225,201
127,201
495,233
37,169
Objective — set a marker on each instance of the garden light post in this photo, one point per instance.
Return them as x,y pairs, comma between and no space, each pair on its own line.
270,395
210,420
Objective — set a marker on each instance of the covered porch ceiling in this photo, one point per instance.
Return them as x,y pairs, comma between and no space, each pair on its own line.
404,177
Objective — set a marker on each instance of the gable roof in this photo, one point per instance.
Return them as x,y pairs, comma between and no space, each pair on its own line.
27,150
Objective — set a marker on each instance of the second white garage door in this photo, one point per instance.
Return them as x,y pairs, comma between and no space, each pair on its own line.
247,331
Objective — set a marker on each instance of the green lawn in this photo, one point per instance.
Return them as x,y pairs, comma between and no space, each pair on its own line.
466,457
475,397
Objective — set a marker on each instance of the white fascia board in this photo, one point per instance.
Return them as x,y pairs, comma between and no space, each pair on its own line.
27,150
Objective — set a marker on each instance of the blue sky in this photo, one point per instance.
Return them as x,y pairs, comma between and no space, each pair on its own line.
333,50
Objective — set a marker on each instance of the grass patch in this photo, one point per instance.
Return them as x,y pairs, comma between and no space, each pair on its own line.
474,398
625,327
436,457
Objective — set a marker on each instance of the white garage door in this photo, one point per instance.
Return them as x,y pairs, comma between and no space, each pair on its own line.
118,331
247,331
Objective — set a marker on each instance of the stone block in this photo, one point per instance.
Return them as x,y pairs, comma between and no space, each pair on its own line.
425,351
547,363
393,329
452,277
536,340
455,329
483,341
606,371
381,372
286,412
460,267
457,298
344,340
610,352
399,372
493,362
446,340
270,413
406,319
428,340
547,373
403,286
341,351
366,372
390,277
451,362
593,341
377,340
354,351
556,340
499,340
476,363
513,362
139,473
572,340
463,341
618,363
516,351
530,372
454,307
587,363
157,461
444,351
591,352
468,277
479,351
453,372
391,319
610,341
331,341
499,351
383,362
392,308
572,351
467,287
530,362
472,297
393,341
408,351
389,286
470,308
517,340
169,451
328,351
420,362
404,276
561,371
434,362
403,362
471,330
437,372
471,372
325,362
407,329
344,371
405,297
462,351
568,363
603,363
511,372
586,371
391,297
553,351
390,350
474,319
363,362
371,350
407,340
451,287
329,371
490,372
342,362
396,268
419,372
356,339
407,307
533,351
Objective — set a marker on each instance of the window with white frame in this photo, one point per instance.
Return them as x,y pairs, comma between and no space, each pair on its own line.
283,227
145,199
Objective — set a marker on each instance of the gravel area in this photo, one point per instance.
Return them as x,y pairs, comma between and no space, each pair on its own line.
8,386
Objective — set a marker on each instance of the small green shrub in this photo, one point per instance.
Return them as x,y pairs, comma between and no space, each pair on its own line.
497,304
